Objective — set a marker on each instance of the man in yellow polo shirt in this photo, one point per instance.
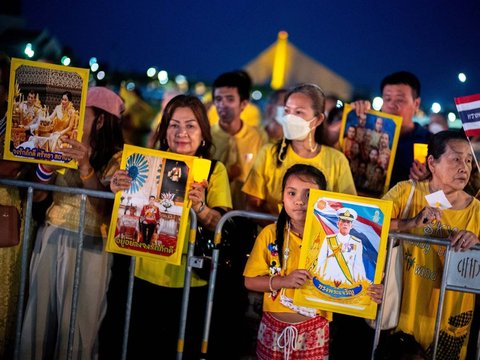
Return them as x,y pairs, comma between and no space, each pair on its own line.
236,143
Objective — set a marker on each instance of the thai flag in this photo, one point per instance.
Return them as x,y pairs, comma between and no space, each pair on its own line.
469,110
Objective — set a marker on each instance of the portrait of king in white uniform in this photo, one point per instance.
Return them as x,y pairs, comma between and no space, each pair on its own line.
340,257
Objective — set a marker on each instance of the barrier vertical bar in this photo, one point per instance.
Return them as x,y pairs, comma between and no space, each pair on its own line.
128,308
214,268
186,286
378,322
23,273
76,277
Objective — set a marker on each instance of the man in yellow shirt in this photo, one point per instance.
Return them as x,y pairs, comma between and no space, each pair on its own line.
236,143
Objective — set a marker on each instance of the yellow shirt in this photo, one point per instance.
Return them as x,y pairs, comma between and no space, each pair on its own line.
240,149
265,178
65,209
423,267
168,275
263,260
251,115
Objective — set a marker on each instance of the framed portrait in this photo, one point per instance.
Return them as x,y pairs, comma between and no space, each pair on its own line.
370,144
46,104
150,218
344,248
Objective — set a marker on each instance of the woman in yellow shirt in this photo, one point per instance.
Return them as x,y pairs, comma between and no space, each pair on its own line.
158,290
302,144
449,162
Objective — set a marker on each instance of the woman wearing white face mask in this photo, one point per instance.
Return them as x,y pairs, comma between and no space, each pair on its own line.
302,143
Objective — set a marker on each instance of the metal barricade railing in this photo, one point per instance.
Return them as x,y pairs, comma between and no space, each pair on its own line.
214,268
462,260
454,261
26,244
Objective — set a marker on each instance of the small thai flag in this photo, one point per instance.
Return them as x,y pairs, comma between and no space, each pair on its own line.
469,110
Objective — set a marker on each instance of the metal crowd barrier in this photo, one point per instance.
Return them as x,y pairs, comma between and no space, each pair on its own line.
461,272
26,250
461,269
214,267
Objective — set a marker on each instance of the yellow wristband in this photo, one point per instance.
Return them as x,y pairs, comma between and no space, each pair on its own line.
88,176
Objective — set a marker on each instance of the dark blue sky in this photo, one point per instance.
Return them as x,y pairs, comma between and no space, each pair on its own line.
360,40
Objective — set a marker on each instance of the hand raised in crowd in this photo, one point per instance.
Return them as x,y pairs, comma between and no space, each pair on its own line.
120,181
418,171
79,152
463,240
361,107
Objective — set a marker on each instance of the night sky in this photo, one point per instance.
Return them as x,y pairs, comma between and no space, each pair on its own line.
360,40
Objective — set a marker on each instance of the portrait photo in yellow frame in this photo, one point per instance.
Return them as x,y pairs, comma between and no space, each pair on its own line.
370,145
46,104
344,248
150,218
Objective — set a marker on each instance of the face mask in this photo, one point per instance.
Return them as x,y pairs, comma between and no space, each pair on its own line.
295,128
280,112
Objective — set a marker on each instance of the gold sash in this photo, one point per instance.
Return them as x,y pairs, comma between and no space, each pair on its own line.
337,252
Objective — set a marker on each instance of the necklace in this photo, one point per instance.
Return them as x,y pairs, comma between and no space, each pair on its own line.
286,251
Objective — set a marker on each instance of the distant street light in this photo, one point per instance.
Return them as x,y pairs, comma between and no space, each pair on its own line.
462,77
66,60
436,108
29,50
377,103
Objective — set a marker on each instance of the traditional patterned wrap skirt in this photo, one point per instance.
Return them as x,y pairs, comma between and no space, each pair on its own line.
307,340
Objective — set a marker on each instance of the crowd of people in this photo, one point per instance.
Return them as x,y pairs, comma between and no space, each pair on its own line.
266,166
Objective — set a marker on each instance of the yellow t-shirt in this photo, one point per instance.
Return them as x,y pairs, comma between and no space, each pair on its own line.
251,115
265,178
423,267
65,209
240,149
263,260
168,275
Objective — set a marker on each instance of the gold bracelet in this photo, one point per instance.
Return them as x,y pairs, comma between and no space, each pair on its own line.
272,290
88,176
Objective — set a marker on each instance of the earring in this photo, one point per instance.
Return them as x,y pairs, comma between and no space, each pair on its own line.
312,148
203,143
164,141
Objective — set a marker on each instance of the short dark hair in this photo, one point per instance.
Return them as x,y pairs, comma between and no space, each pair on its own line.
275,95
238,79
438,142
68,94
405,78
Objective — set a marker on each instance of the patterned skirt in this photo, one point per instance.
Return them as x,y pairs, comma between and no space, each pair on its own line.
307,340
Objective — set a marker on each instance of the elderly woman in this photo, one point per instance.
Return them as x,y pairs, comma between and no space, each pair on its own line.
449,161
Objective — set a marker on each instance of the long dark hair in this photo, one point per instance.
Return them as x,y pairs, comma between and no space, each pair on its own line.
107,140
316,94
198,109
305,172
